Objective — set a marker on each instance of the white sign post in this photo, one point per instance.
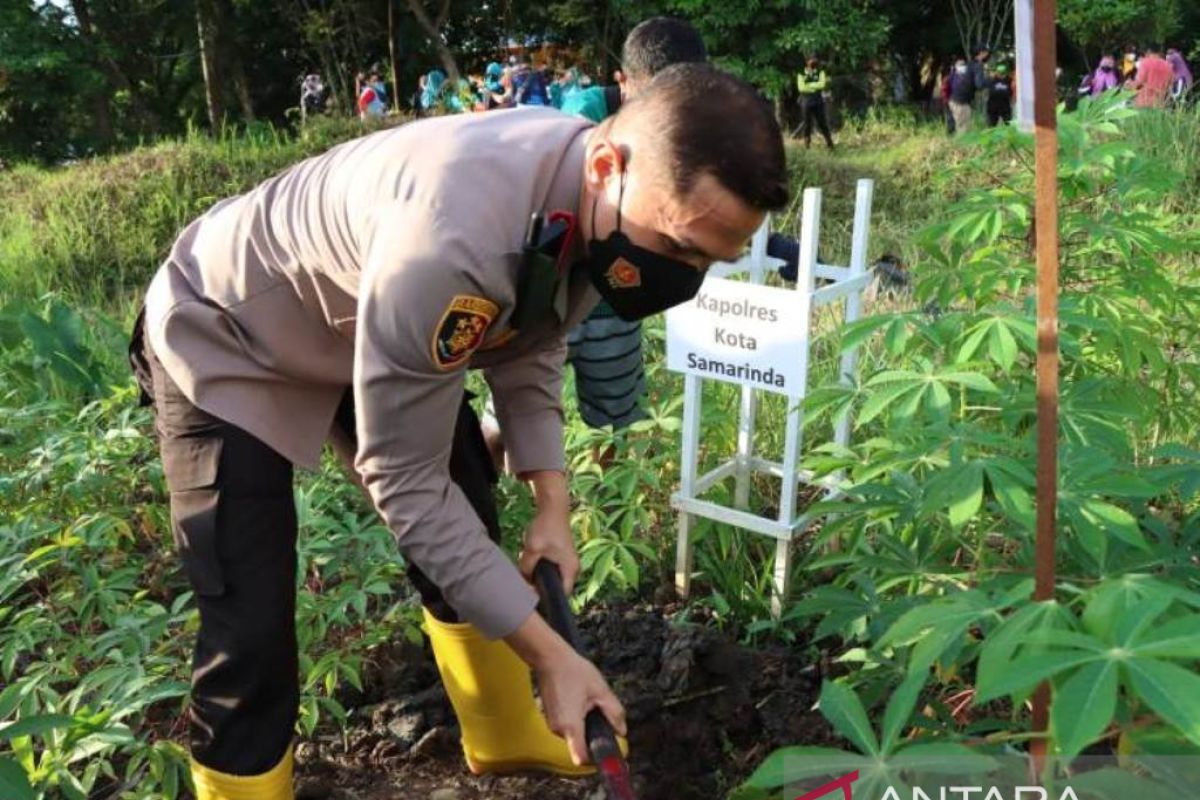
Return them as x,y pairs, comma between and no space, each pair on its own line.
1023,19
758,336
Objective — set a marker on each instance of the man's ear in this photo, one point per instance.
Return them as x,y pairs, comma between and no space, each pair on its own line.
604,161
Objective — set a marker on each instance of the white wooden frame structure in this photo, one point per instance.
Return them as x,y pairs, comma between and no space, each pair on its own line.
848,285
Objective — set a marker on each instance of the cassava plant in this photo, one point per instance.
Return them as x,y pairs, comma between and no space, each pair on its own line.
935,524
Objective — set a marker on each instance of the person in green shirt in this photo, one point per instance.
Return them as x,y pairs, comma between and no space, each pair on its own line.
813,82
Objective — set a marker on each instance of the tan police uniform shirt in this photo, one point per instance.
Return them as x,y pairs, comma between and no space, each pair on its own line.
388,263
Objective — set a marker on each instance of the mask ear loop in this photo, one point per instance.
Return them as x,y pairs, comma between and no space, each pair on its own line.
621,197
621,190
595,201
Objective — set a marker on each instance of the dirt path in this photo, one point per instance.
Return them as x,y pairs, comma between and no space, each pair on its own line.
702,713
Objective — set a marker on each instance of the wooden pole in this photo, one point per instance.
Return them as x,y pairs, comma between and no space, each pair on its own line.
1046,148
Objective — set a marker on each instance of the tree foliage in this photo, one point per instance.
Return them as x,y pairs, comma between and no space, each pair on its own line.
37,66
767,41
1116,23
83,76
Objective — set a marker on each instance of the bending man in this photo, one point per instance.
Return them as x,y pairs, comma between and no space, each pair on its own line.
345,299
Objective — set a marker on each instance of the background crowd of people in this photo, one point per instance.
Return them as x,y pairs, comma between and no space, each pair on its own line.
1158,82
978,85
500,85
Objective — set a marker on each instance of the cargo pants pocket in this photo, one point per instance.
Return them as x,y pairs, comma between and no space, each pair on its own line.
191,467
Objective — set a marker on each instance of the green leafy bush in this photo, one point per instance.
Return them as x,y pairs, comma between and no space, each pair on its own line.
935,529
96,621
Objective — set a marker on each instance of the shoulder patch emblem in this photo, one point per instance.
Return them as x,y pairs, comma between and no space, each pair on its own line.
500,340
623,275
461,329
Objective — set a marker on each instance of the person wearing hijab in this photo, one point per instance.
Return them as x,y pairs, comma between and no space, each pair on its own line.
437,95
431,93
494,91
1183,75
369,103
567,83
1129,64
1104,78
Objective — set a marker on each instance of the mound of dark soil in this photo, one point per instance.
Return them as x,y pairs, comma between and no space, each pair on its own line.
702,713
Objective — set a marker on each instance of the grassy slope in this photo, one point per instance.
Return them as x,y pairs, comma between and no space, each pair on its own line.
96,231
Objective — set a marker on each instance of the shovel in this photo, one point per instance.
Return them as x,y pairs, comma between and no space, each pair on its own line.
601,739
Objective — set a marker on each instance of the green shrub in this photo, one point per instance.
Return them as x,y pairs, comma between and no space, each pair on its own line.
935,530
96,620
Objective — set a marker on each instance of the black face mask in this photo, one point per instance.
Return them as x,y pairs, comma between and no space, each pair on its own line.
635,281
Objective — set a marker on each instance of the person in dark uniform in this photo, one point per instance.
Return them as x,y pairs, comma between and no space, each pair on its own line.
344,300
1000,97
813,82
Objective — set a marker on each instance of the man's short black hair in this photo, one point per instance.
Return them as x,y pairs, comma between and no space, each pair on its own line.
657,43
709,121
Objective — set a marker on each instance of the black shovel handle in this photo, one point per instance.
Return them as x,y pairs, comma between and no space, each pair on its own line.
601,738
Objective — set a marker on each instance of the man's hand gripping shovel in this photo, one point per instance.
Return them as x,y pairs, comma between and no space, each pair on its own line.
601,739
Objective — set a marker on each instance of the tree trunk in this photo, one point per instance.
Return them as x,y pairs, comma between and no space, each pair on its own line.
102,116
432,28
393,53
981,21
206,34
232,59
100,108
606,61
242,88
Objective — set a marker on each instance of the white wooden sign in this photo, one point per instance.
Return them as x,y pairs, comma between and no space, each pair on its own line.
758,336
741,333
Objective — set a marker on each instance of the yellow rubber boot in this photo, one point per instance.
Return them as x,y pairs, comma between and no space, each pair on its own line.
273,785
491,689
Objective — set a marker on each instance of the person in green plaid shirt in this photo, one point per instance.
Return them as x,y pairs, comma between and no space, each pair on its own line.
605,350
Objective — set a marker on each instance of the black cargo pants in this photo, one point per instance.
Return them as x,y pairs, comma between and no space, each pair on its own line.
234,522
814,114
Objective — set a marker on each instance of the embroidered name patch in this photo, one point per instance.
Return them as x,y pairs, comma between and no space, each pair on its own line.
623,275
461,329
